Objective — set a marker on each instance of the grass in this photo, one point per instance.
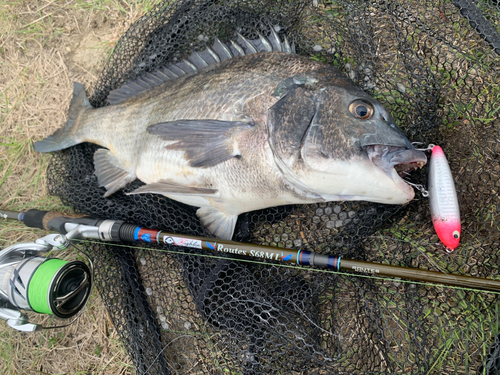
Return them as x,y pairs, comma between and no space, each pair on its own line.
44,46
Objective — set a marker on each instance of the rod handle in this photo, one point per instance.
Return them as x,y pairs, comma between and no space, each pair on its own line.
34,218
53,220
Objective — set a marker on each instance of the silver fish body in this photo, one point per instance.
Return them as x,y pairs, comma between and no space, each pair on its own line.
232,130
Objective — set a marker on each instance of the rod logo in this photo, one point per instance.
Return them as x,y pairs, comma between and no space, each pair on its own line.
184,242
365,269
232,250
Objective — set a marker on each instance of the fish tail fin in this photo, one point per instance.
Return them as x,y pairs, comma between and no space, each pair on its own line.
65,136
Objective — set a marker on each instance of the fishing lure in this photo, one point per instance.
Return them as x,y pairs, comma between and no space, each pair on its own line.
443,200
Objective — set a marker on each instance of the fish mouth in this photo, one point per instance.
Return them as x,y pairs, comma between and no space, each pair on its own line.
397,162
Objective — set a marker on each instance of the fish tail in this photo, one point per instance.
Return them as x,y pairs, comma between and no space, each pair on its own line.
66,136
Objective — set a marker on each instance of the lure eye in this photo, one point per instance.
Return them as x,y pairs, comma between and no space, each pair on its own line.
456,234
361,109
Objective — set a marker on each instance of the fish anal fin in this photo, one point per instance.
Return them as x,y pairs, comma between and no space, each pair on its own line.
110,173
219,223
206,142
167,187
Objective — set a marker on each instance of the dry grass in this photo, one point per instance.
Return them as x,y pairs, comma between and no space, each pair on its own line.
44,47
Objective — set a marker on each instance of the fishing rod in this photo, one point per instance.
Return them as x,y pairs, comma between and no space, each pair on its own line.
119,231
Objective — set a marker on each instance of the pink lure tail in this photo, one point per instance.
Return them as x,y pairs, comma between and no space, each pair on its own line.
443,200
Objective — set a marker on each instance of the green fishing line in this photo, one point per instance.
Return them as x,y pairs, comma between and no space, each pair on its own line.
38,287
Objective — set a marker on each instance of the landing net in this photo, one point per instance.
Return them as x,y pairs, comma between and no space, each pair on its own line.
436,66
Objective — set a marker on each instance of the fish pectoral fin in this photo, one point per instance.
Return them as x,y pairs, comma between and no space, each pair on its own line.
219,223
110,173
205,142
166,187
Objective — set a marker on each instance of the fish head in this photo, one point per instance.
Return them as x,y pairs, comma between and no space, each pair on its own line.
345,145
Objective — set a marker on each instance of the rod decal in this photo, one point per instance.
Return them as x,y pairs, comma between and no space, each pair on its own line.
232,250
146,235
184,242
365,269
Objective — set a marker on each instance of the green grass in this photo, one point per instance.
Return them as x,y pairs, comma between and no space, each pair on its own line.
473,325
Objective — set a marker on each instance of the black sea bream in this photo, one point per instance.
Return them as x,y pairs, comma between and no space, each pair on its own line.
243,126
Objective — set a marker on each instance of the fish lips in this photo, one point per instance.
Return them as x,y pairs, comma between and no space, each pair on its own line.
396,160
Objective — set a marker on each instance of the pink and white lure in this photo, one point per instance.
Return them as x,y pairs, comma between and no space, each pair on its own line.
443,200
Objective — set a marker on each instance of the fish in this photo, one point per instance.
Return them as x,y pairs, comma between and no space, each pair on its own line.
443,200
241,126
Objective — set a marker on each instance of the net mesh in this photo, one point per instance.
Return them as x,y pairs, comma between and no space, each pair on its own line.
435,66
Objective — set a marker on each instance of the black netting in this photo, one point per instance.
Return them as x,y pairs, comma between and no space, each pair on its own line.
435,66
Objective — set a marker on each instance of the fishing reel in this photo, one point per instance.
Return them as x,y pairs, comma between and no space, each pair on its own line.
30,281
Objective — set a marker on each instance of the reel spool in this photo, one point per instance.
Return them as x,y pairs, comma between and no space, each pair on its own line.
32,282
47,286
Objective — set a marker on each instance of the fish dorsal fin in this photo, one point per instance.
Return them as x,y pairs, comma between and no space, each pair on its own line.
199,60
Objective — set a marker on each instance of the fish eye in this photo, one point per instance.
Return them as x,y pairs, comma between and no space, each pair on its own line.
456,234
361,109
